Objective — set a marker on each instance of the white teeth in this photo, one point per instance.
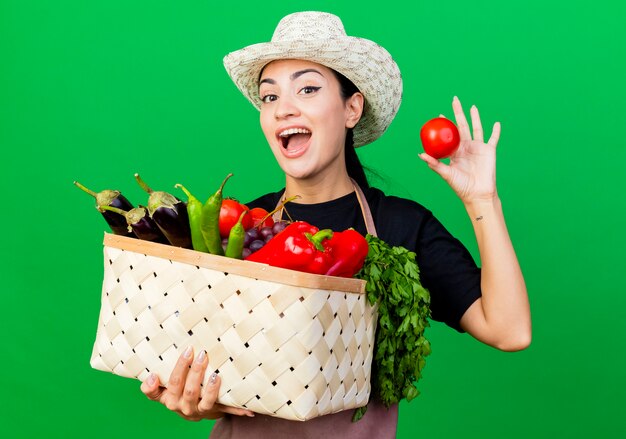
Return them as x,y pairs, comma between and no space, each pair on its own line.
291,131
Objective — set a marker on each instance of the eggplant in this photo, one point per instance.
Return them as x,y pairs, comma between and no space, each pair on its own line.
140,223
115,199
170,215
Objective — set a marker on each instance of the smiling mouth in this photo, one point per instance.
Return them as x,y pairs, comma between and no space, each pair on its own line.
293,138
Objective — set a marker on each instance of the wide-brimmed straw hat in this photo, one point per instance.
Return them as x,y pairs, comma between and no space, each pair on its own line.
320,37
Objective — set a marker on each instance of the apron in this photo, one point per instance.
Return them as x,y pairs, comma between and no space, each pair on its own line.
360,196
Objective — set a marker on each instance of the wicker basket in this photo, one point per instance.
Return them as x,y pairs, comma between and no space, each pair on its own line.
285,343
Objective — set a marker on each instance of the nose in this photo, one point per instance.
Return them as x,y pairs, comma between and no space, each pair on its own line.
285,107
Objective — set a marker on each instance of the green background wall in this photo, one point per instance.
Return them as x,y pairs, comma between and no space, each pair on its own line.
97,90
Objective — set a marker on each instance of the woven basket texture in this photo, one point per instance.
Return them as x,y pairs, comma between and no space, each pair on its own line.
281,350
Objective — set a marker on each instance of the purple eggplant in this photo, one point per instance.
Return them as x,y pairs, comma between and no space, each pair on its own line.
115,199
140,223
170,215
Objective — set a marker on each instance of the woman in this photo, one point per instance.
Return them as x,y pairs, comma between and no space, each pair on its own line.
320,94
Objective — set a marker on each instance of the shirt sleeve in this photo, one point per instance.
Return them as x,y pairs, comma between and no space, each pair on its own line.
448,271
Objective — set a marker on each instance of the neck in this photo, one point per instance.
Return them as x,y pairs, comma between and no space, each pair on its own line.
319,189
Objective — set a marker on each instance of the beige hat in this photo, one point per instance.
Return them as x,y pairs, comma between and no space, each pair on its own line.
320,37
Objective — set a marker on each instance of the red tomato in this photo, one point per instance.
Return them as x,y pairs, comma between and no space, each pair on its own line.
440,137
229,215
257,214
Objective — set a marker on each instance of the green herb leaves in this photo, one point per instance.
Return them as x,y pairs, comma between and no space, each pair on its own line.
393,282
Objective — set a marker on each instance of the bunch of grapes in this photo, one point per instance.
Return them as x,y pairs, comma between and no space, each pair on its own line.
256,238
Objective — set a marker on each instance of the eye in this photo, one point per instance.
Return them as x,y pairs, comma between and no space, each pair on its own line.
309,89
268,98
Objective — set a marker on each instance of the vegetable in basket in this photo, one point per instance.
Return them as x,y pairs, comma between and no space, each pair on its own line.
263,228
260,218
170,214
210,220
349,250
111,198
236,238
303,247
230,212
140,223
194,211
298,247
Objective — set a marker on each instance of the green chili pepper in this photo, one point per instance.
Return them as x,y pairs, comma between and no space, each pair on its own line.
210,222
237,235
194,210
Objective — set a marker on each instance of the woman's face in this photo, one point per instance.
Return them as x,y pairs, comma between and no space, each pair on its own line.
304,117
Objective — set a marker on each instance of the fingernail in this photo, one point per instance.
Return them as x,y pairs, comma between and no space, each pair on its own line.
250,414
188,352
455,98
151,379
213,378
201,356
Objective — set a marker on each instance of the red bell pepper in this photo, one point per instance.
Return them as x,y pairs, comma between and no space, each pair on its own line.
297,247
349,250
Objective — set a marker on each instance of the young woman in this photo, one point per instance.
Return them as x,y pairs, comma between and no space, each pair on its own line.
321,94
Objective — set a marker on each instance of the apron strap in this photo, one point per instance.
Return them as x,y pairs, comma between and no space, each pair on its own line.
365,210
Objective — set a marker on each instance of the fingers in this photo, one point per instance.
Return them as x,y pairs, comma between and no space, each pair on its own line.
461,121
439,167
178,377
151,387
191,393
236,411
209,397
183,394
464,129
495,135
210,392
476,124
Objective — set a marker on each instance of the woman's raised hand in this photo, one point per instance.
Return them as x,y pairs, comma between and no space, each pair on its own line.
184,394
472,169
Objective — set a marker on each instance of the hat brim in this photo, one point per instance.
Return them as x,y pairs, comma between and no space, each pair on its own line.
369,66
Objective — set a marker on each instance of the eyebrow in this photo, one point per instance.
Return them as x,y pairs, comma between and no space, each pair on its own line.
293,76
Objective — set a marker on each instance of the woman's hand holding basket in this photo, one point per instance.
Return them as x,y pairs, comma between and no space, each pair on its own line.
184,394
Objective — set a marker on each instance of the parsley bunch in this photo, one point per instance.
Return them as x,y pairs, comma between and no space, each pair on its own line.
400,349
